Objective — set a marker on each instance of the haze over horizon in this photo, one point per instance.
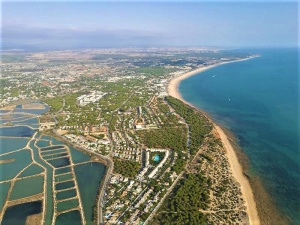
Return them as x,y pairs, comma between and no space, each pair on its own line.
73,25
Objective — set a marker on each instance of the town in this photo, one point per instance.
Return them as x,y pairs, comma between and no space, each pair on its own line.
114,102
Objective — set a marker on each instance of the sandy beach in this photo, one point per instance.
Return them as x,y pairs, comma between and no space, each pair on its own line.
236,168
173,84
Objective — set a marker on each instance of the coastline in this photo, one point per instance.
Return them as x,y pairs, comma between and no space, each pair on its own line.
236,167
174,82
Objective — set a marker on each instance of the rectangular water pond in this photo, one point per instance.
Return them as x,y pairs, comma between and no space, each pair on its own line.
66,194
53,156
60,162
62,170
52,147
93,173
11,144
69,218
27,187
28,121
42,143
70,204
32,170
18,131
17,162
64,185
51,152
63,177
78,156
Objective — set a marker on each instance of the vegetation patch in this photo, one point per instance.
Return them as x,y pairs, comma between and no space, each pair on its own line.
167,137
182,207
199,125
126,168
55,103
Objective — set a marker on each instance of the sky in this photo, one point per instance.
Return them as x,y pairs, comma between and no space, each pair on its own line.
100,24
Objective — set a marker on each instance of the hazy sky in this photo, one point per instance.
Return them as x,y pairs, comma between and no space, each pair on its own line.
71,24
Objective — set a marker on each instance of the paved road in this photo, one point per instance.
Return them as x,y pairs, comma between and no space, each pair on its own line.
109,165
162,200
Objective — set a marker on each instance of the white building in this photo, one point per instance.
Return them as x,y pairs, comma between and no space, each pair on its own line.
91,98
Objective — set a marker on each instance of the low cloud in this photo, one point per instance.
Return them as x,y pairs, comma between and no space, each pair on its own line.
59,38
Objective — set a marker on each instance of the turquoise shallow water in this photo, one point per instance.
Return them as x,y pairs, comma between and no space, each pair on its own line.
258,100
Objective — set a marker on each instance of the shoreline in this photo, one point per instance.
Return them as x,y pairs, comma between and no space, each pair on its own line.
235,165
175,81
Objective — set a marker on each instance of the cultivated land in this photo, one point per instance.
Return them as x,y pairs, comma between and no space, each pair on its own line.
166,163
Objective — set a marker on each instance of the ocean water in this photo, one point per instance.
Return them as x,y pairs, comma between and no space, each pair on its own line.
258,100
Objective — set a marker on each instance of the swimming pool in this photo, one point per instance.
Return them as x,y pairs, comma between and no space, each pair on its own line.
156,158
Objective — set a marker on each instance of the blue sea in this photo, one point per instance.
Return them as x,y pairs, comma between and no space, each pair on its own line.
258,101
